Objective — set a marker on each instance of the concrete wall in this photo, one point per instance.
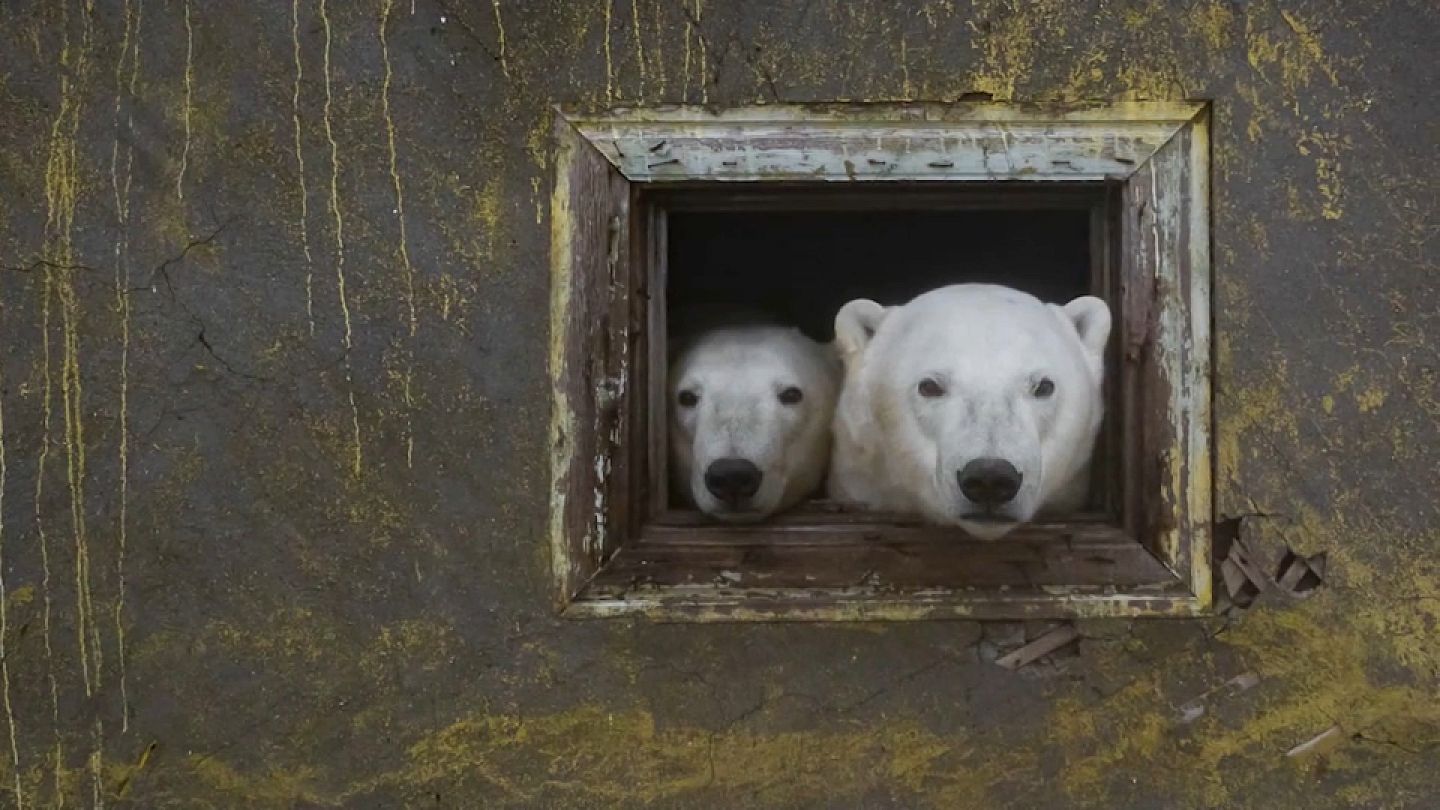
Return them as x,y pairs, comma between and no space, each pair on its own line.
274,451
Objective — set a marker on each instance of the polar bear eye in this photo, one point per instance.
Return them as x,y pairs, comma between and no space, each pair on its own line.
791,395
1044,388
688,399
931,388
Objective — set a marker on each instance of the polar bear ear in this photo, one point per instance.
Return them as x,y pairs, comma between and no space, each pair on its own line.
1091,318
855,325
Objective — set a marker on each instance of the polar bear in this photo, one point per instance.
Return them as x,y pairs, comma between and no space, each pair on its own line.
973,405
750,412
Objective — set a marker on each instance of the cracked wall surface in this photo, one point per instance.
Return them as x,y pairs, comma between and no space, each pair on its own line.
273,294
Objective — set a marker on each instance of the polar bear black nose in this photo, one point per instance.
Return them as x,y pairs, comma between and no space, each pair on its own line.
989,481
732,480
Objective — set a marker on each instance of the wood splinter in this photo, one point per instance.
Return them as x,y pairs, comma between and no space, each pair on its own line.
1319,741
1042,646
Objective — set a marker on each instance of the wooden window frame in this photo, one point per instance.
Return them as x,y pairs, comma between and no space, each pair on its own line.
617,550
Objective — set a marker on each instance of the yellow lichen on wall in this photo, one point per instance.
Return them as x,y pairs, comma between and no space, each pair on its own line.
1326,149
1214,21
277,787
1312,674
1289,60
622,757
1267,405
1010,38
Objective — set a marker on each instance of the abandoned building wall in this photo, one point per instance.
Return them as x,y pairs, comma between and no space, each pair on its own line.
273,408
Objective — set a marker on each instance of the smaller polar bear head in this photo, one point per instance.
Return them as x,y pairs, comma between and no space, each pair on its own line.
975,405
750,414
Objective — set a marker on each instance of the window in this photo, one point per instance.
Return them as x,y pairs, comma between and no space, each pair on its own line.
1104,199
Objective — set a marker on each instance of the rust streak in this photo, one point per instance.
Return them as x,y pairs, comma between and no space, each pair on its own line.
189,97
300,168
500,32
609,59
355,465
404,248
11,725
639,44
133,18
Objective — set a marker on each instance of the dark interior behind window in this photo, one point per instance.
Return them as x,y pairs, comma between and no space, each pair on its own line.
802,266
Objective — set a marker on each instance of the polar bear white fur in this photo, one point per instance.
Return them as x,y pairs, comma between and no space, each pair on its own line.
750,410
969,390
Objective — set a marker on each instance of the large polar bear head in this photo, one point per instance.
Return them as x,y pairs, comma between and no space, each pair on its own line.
750,414
973,405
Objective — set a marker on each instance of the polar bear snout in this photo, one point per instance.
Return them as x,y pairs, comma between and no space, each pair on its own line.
989,482
733,480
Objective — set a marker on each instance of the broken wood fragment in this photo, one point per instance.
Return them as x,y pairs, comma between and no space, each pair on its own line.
1194,709
1243,682
1240,557
1237,586
1042,646
1320,743
1290,579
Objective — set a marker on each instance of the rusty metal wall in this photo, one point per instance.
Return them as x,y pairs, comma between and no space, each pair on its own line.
273,289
